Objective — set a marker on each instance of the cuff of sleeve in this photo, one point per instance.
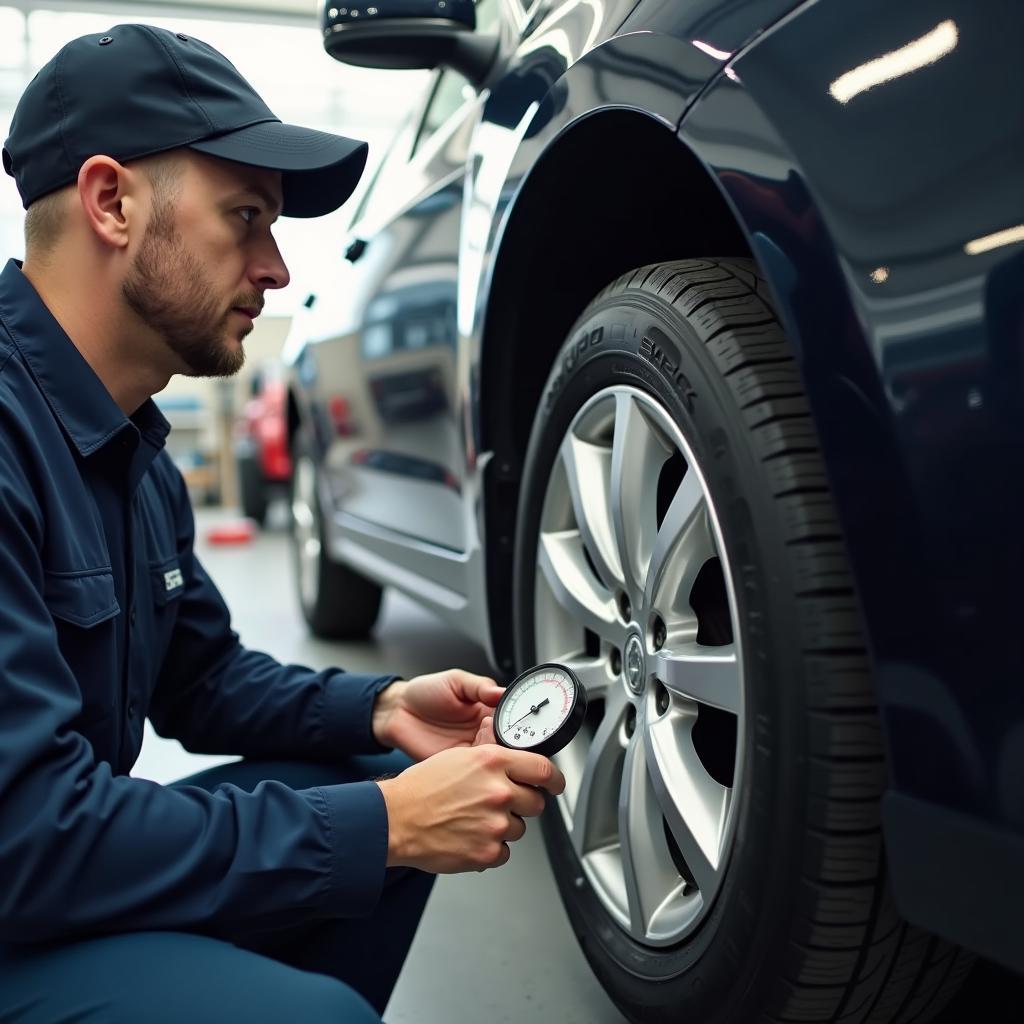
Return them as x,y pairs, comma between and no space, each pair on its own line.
357,819
347,712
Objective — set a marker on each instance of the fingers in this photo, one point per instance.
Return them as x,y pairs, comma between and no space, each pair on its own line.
534,770
521,766
516,829
477,688
485,734
527,801
502,858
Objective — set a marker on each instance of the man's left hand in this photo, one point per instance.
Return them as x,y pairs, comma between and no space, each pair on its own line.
434,712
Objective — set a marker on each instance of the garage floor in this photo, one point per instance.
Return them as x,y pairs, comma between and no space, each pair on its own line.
467,942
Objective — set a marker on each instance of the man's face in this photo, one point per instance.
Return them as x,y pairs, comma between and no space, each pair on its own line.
205,261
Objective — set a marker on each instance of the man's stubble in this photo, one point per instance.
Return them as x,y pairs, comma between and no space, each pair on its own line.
166,289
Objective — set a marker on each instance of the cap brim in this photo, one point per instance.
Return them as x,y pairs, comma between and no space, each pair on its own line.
319,170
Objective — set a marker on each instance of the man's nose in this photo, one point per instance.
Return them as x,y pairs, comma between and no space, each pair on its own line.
268,269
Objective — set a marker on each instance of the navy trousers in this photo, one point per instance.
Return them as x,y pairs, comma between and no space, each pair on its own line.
334,972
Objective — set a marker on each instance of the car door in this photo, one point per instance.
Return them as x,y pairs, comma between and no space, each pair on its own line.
384,335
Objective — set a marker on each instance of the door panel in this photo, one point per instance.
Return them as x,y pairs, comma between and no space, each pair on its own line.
384,337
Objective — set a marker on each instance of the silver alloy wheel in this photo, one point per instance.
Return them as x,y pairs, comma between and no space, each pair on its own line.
304,529
649,822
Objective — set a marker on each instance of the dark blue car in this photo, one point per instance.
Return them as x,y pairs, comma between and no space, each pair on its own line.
682,342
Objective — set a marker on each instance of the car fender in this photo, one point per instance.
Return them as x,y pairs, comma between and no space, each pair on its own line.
533,108
871,154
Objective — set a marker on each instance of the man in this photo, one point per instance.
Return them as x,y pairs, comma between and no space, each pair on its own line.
287,885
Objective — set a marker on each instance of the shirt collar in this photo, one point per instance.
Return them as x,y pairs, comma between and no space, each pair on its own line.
80,401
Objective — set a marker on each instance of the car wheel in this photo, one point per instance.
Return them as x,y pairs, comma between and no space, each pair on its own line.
336,602
718,847
253,489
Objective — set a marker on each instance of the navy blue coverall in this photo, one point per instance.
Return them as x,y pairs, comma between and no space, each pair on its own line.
121,899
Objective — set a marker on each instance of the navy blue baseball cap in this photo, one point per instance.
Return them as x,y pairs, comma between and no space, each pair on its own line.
137,90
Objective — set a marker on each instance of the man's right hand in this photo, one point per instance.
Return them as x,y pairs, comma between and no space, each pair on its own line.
459,810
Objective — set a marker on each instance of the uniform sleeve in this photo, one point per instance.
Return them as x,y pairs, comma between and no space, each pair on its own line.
216,696
83,851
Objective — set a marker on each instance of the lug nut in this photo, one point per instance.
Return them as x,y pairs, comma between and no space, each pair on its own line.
625,608
616,661
661,699
631,721
660,634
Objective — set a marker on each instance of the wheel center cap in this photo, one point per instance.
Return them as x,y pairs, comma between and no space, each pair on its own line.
634,659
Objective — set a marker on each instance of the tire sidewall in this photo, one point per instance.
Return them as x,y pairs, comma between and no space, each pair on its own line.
312,612
719,972
254,496
346,603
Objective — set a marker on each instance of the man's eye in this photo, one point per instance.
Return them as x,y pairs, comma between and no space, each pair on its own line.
249,213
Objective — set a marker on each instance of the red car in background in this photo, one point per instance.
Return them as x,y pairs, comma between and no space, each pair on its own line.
261,443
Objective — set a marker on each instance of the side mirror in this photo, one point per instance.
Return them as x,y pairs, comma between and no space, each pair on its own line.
406,34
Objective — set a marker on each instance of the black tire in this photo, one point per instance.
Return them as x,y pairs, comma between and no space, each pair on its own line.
253,489
803,926
339,604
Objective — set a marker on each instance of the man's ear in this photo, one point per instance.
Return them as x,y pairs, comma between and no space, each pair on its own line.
105,193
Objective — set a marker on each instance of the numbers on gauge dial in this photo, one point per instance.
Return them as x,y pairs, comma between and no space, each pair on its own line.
536,709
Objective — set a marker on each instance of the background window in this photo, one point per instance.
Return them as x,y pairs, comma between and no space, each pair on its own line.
451,90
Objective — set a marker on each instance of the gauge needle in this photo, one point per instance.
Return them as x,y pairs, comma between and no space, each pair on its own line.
533,710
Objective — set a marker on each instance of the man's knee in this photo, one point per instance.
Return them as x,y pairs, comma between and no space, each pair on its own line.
330,1001
166,978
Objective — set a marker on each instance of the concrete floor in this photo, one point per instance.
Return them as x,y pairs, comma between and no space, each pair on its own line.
467,942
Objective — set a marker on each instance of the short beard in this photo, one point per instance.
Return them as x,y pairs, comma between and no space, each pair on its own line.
165,288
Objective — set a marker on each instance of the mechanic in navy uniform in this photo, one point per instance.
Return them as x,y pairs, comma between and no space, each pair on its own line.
287,885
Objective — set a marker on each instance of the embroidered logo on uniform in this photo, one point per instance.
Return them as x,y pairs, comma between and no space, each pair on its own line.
173,579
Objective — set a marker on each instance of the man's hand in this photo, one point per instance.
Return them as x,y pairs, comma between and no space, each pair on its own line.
459,810
435,712
485,734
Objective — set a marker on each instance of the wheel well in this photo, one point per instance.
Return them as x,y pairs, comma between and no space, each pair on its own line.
617,191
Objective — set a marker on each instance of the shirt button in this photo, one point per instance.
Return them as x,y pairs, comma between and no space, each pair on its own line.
131,709
131,615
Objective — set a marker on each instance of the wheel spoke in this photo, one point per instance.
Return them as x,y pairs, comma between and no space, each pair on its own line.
709,675
588,472
594,823
563,564
650,874
693,803
593,673
637,456
683,545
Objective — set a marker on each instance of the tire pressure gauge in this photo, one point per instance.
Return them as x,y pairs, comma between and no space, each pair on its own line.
541,710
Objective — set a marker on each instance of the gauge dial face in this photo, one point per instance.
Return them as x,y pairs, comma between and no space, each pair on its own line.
536,706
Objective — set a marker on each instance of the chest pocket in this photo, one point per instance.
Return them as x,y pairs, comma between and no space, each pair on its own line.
84,609
82,599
